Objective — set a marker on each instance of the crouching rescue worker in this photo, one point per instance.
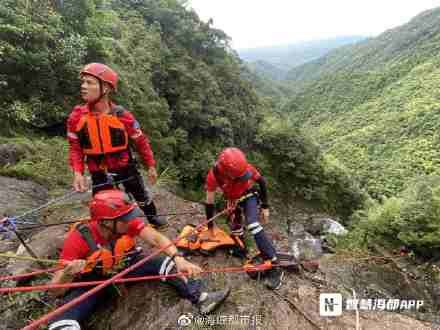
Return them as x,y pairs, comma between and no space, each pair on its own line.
104,245
235,177
99,132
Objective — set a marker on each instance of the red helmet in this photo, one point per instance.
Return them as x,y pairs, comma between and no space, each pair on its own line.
232,162
113,204
102,72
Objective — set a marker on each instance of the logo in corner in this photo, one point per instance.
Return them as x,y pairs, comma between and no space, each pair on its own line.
184,320
330,304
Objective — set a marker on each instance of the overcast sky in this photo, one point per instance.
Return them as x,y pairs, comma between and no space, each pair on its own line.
257,23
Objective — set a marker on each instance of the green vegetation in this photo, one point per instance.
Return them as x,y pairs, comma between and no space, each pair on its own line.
274,62
413,42
44,160
411,219
190,91
374,106
297,169
177,74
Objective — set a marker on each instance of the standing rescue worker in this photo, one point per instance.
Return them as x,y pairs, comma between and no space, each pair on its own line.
235,177
105,245
99,133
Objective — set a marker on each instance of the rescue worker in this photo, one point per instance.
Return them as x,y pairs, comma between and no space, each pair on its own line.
99,132
94,249
235,177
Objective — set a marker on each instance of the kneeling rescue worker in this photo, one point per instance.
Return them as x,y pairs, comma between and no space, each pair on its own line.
235,177
105,244
100,131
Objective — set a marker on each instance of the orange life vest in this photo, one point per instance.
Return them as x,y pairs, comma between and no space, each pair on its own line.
102,133
200,242
110,259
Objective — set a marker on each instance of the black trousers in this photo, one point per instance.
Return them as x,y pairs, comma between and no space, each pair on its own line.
133,183
159,265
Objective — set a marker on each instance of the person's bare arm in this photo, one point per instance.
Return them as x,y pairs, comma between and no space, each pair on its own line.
153,237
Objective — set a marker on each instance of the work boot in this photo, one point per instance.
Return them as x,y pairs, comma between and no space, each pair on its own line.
159,222
209,301
273,278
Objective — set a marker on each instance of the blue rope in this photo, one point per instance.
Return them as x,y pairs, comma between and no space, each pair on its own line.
110,180
8,226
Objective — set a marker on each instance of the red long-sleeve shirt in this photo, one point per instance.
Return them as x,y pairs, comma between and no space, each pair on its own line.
232,189
110,161
75,247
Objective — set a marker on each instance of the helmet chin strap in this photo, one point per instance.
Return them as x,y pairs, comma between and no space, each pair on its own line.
112,229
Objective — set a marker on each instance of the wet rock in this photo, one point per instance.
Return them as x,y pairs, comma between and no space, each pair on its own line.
324,226
19,196
333,227
45,245
303,245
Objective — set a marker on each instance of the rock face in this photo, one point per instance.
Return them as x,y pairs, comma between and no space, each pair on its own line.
19,196
383,280
46,245
250,306
154,305
303,245
321,226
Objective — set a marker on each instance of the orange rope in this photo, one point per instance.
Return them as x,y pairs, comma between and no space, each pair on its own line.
247,269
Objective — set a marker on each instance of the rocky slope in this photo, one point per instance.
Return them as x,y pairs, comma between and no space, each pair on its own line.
155,306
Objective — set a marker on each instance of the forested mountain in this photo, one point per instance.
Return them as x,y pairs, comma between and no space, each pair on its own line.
178,76
375,105
274,62
267,70
411,42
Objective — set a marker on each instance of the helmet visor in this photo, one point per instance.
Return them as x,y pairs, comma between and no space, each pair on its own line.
135,213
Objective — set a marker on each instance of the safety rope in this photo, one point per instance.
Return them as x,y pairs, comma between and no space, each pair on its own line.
75,301
27,275
65,197
243,269
15,256
40,260
75,221
61,264
65,307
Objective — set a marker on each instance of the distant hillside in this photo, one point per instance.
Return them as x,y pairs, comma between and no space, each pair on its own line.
267,70
289,56
188,90
376,105
273,91
411,41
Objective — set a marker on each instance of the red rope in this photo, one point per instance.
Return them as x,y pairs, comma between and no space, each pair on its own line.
65,307
51,270
249,269
21,276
